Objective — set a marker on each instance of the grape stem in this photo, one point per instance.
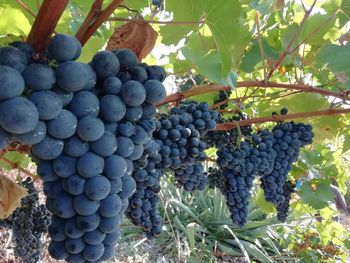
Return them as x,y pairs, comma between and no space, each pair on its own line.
252,84
95,18
45,22
300,115
15,166
291,41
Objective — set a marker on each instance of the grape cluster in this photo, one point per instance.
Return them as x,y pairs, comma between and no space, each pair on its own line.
266,154
222,98
177,146
179,136
283,207
289,138
143,207
28,224
239,165
158,3
87,124
220,138
216,179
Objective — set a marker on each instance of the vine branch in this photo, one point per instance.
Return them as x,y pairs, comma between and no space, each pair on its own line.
291,116
291,41
45,22
95,18
155,21
251,84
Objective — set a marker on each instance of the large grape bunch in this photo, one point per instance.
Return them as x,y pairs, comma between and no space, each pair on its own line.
28,224
179,135
239,165
87,124
289,138
176,146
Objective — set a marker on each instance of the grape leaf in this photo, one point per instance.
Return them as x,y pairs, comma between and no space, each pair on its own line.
136,4
253,56
91,47
183,10
13,21
336,58
20,159
208,65
345,7
221,17
317,198
267,207
347,243
346,144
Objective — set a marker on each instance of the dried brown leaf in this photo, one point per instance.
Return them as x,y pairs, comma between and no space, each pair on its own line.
138,36
10,196
279,4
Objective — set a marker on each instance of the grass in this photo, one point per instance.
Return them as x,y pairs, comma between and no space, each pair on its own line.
198,228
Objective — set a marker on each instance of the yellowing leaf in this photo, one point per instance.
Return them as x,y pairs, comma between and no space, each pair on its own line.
13,21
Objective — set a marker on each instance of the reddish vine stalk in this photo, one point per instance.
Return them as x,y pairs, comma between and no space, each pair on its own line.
300,115
45,22
95,18
252,84
155,21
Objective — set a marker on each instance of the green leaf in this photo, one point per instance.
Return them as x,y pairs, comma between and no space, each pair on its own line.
13,21
91,47
345,15
209,65
347,243
21,160
183,10
136,4
63,25
336,58
180,66
346,144
221,19
191,237
317,198
301,102
253,56
263,6
256,252
267,207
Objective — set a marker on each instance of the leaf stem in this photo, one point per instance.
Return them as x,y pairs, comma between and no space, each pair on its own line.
95,18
